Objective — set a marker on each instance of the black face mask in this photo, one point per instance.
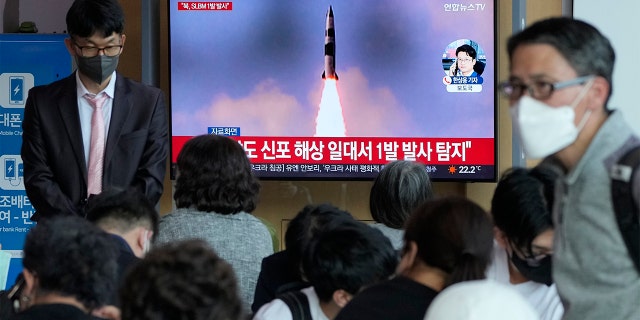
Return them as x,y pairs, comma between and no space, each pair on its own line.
540,273
97,68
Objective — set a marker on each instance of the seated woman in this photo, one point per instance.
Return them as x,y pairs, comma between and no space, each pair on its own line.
399,189
521,209
69,270
215,193
447,240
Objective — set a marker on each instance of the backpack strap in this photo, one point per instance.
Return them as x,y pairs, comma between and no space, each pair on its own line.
298,303
627,211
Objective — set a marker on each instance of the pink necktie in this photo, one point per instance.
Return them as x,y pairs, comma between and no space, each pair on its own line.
96,148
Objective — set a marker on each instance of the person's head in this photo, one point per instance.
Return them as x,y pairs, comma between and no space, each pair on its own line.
466,59
69,257
127,213
559,84
400,187
181,280
480,299
452,235
214,175
345,258
521,209
308,222
96,37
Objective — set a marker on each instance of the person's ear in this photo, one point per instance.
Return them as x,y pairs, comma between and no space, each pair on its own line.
68,42
28,289
341,297
500,237
599,92
408,258
143,241
123,38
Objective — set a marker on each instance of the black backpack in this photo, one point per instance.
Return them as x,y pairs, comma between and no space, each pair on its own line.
298,304
627,211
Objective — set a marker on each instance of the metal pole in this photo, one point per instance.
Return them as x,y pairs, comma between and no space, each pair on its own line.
150,42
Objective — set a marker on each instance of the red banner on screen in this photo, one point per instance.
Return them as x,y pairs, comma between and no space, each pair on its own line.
361,150
204,5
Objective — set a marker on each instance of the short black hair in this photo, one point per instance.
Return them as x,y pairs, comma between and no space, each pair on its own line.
468,49
308,222
399,189
71,257
87,17
522,204
214,175
122,210
453,234
181,280
349,256
580,44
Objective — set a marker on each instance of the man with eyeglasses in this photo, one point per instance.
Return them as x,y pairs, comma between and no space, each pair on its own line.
559,84
94,129
465,62
521,211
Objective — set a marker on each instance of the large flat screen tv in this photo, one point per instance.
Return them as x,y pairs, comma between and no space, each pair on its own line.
334,90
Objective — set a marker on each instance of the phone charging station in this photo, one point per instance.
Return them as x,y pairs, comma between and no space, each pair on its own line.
26,60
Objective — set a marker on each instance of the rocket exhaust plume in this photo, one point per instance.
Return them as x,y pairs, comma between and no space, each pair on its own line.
330,121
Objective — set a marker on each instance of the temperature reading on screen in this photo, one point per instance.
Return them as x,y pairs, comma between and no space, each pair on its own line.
469,169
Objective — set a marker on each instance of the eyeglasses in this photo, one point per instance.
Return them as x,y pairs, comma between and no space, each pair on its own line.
530,260
539,89
91,51
465,60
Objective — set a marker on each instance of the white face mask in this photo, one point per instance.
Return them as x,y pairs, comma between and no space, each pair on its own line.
545,130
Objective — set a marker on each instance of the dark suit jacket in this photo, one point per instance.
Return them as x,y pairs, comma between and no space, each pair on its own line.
278,274
55,170
126,260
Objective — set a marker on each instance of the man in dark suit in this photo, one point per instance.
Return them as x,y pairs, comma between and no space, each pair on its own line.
71,152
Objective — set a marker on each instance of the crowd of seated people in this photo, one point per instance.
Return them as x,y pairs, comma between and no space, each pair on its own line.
333,266
446,241
342,257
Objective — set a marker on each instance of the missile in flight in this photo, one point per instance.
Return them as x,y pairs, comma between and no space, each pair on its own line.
329,48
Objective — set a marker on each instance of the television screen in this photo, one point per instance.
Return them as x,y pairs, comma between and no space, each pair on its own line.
334,90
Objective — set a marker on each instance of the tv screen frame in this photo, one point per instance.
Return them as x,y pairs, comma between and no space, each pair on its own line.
271,73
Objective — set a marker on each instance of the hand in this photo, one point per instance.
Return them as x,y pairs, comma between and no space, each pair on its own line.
107,312
452,68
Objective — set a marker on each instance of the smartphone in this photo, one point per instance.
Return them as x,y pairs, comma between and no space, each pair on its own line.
10,170
14,294
16,89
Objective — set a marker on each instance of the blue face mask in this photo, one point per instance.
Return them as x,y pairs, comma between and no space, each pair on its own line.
540,273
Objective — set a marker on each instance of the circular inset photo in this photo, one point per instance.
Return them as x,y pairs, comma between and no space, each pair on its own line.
463,58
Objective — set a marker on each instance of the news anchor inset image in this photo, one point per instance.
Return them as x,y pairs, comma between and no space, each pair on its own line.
463,62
